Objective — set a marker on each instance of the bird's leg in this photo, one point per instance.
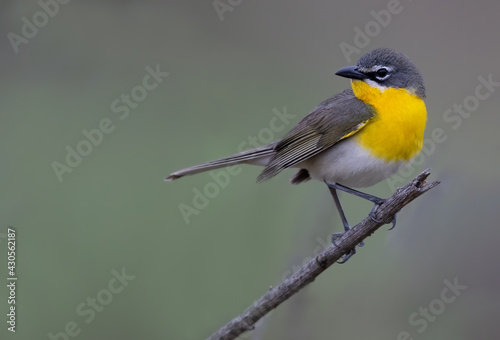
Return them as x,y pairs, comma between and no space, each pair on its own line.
376,200
335,236
371,198
339,208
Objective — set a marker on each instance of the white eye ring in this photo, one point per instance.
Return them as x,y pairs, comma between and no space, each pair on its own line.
382,73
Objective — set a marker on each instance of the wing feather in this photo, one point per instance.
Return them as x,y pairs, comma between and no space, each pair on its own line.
335,119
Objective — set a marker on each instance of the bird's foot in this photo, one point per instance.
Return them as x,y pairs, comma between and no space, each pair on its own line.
347,256
372,214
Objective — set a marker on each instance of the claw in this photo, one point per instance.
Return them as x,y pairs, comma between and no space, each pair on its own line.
347,257
335,237
372,217
393,222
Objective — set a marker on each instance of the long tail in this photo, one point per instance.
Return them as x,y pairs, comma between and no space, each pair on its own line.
258,156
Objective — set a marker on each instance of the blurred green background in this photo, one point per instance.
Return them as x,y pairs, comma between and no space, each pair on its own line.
227,72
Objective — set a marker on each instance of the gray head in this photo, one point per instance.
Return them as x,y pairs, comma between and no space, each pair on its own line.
386,68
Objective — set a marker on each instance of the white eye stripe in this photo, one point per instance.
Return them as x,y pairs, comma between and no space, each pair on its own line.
375,68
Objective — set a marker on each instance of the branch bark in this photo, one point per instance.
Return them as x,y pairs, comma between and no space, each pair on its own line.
275,296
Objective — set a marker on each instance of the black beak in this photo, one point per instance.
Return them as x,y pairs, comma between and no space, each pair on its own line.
350,72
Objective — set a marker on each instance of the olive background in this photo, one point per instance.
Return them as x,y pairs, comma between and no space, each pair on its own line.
113,212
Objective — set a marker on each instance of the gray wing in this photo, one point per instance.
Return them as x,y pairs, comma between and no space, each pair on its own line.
331,121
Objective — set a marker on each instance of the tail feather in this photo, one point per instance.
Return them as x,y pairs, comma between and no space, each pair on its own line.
257,156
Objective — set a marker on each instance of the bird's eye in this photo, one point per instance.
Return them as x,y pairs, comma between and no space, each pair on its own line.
382,73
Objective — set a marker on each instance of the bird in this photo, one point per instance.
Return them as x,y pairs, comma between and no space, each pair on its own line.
354,139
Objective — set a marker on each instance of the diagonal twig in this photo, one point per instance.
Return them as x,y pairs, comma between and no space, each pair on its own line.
275,296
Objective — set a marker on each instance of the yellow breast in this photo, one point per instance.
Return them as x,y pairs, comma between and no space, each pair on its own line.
396,132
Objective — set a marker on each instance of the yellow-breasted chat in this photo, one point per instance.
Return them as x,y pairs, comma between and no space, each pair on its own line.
356,138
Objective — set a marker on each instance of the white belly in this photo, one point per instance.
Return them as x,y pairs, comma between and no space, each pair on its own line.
349,164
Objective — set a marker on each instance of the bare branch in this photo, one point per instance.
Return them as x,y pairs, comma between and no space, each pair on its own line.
275,296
